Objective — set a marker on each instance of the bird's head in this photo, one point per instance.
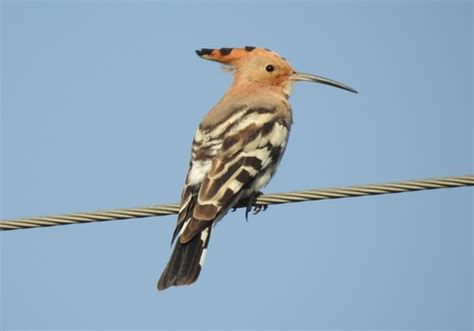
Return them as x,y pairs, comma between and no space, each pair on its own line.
262,67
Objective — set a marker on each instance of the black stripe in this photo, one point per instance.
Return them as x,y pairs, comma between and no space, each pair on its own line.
228,196
275,151
219,182
267,128
249,48
230,141
183,267
225,51
243,176
259,111
252,161
204,51
246,135
249,111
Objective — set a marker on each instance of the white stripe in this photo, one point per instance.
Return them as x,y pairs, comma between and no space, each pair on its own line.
184,227
203,135
204,235
252,118
234,185
203,257
198,171
279,135
220,128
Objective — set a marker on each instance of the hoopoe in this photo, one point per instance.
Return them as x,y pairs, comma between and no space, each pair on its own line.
235,152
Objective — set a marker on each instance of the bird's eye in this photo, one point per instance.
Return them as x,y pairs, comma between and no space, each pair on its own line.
269,68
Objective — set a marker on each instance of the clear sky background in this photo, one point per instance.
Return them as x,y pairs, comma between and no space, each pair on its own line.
100,101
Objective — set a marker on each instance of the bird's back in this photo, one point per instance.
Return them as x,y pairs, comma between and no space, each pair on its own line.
235,152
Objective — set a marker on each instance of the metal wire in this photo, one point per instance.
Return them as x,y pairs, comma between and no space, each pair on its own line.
270,199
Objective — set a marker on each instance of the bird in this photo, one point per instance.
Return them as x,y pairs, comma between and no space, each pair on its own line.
235,151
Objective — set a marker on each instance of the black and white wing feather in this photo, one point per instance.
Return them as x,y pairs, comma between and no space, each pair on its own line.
231,160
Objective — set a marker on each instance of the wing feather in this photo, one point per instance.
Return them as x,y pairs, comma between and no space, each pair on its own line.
242,159
228,159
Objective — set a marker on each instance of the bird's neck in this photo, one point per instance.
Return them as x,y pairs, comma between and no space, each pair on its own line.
279,91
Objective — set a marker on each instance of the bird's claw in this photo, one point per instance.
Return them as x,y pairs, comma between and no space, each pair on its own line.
252,203
258,208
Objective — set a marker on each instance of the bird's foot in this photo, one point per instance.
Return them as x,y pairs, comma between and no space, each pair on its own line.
252,203
258,208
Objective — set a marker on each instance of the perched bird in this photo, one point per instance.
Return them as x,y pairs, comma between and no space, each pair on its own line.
235,152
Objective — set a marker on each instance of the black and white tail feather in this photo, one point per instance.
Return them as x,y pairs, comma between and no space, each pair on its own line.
186,261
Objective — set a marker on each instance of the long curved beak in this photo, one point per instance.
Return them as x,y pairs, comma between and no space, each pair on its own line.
303,77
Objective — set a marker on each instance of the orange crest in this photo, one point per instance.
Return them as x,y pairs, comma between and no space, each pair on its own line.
231,56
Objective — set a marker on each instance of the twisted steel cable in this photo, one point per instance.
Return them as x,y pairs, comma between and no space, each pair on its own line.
264,200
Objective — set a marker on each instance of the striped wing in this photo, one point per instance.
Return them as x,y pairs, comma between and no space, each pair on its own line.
246,160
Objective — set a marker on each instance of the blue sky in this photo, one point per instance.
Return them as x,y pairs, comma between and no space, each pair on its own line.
100,101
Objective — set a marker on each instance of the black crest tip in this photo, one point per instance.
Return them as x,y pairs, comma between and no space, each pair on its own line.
204,51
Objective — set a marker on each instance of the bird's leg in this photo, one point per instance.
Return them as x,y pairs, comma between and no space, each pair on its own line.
252,202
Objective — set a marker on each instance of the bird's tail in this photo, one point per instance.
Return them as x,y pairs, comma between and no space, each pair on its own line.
186,261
